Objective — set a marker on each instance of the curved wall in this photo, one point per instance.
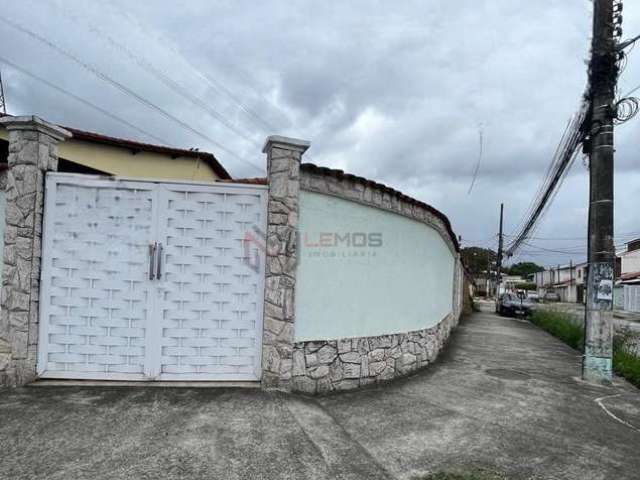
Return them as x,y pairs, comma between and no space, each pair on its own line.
377,310
364,272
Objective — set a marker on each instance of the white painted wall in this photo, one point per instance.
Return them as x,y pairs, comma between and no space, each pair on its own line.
630,262
406,284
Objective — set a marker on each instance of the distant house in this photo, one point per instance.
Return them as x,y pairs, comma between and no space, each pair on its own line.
510,283
630,276
568,281
484,284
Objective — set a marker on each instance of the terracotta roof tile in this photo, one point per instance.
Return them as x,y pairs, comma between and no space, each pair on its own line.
629,275
136,146
206,157
251,181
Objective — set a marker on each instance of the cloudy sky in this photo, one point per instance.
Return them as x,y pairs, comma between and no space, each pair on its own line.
399,92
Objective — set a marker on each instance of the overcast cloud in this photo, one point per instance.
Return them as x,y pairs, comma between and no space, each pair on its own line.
394,91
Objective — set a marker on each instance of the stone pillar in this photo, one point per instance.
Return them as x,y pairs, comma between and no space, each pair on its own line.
283,171
33,150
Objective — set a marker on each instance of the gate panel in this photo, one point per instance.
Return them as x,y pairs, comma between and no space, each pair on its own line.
113,309
632,298
95,296
210,294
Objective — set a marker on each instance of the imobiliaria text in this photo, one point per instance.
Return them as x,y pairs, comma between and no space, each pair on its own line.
315,245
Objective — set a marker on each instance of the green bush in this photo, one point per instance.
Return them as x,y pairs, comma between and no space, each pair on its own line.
626,362
476,475
560,325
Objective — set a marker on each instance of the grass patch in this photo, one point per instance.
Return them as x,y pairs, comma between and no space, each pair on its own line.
560,325
626,363
475,475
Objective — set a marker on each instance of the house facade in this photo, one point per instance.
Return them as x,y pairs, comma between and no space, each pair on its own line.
93,153
309,280
629,279
567,281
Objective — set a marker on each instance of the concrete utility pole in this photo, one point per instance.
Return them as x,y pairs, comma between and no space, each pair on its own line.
499,259
603,73
488,276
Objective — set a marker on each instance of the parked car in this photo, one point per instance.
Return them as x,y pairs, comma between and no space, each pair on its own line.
533,296
551,297
510,304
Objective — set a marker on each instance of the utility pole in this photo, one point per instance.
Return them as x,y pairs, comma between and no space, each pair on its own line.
570,288
499,259
488,275
3,104
603,73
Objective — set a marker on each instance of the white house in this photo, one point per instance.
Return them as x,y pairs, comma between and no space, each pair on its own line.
566,280
630,275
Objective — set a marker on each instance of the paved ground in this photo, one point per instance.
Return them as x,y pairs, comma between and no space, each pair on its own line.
504,396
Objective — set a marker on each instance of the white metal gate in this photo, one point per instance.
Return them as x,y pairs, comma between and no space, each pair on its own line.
144,280
632,298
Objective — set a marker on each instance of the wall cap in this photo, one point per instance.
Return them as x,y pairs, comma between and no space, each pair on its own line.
287,143
34,123
341,176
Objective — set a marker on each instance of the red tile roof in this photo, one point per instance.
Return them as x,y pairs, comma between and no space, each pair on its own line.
136,146
629,275
251,181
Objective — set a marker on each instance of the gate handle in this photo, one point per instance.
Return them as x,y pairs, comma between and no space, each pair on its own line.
159,270
152,258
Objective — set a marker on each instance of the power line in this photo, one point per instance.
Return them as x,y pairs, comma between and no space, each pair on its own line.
633,90
124,89
562,160
81,100
165,79
215,84
475,172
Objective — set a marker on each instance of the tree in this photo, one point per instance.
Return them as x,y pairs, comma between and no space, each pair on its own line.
524,269
478,260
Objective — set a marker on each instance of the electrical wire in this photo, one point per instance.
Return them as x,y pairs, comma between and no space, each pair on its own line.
557,171
213,83
81,100
124,89
162,77
475,172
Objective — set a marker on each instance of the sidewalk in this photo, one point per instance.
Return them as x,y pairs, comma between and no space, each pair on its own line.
504,395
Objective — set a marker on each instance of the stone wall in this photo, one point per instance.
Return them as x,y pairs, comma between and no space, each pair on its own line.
357,189
345,364
5,344
283,169
348,363
33,150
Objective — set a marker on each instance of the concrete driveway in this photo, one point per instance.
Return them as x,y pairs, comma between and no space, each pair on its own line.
504,395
